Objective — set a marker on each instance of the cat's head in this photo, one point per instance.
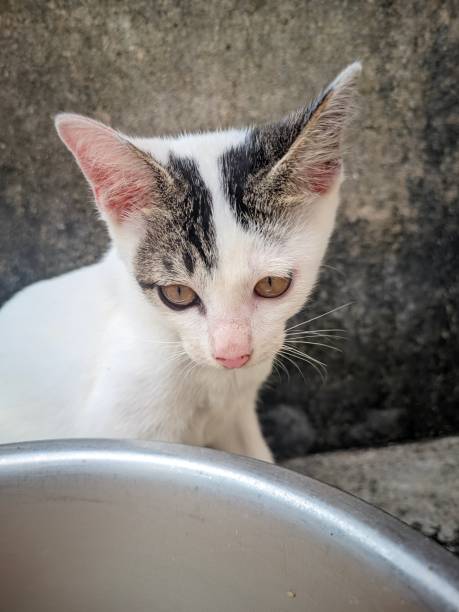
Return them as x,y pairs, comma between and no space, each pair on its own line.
225,231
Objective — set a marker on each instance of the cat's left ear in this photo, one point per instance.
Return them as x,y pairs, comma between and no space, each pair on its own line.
313,162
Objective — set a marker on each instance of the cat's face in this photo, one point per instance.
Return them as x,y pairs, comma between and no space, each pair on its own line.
223,232
228,286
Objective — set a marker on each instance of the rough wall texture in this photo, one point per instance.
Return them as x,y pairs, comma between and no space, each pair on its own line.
162,67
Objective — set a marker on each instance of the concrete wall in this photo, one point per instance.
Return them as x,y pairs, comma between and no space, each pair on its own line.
162,67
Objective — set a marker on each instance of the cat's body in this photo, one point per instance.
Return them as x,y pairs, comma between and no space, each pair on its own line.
166,338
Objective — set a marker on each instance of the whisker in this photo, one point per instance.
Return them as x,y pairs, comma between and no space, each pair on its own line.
175,355
188,369
320,316
330,346
317,331
302,354
331,268
299,336
318,370
308,359
276,371
282,365
281,353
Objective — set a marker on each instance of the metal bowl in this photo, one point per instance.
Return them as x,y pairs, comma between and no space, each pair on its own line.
135,527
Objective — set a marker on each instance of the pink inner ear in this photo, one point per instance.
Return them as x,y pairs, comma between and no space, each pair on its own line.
120,179
321,176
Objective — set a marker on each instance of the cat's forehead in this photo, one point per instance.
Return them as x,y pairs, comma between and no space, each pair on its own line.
207,217
203,147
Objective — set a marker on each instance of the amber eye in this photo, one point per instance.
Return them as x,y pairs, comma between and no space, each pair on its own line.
272,286
177,296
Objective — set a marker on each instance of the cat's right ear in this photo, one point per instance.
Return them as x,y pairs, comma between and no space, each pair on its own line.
124,179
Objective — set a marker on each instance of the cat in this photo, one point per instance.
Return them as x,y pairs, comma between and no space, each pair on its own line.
217,242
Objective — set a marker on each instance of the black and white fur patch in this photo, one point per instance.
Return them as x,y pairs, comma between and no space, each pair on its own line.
255,202
180,233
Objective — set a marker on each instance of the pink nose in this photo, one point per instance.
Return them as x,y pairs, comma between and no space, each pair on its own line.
233,362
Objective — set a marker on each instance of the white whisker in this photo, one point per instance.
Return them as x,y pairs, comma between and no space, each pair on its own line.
276,371
296,336
318,365
282,353
282,365
319,316
330,346
306,355
317,331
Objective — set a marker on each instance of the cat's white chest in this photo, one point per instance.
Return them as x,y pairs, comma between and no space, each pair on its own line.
225,396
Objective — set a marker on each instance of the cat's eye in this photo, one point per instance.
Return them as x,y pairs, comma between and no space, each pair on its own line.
272,286
178,296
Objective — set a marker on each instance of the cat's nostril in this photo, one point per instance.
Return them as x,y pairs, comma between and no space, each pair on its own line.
233,362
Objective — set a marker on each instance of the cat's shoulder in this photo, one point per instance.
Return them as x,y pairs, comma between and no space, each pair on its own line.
54,293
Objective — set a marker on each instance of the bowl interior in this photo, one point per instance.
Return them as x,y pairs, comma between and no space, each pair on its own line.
112,526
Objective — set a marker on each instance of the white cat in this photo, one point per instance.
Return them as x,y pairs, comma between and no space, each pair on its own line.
217,242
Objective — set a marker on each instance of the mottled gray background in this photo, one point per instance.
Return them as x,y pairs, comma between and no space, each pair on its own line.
161,67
